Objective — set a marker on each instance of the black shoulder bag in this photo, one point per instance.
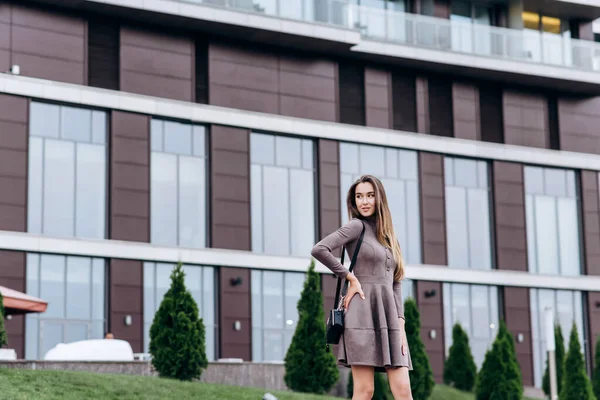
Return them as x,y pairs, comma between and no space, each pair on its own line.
335,320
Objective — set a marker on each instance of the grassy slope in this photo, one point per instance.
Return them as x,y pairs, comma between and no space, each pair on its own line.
60,385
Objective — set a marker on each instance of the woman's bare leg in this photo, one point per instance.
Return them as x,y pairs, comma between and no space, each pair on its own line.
364,384
400,383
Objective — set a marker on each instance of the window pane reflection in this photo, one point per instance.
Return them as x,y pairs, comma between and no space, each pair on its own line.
75,290
475,307
67,151
282,195
275,297
467,214
551,203
567,308
178,190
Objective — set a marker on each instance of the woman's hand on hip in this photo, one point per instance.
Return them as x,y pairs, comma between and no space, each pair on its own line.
355,287
404,346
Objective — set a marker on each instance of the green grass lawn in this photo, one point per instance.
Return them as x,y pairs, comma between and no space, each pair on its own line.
61,385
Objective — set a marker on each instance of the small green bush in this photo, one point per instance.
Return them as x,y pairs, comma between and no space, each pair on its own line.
177,335
309,367
421,377
500,375
596,377
460,370
576,385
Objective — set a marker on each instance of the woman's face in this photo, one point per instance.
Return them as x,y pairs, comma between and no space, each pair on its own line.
364,196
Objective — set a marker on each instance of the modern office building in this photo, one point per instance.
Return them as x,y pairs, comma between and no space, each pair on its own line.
225,133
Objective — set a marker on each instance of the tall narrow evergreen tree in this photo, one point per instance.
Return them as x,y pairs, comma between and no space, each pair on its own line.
500,375
576,384
309,367
596,377
460,370
421,377
177,335
3,336
559,355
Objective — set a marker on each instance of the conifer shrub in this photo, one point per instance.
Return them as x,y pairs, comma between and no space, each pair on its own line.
309,367
500,375
459,369
575,385
421,377
177,334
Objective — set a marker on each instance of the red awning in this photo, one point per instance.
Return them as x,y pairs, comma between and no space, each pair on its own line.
21,303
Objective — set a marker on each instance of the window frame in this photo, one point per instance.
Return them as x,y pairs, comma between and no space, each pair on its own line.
206,159
43,138
257,281
315,187
39,319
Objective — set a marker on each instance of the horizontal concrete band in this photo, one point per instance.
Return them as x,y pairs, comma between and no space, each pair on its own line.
200,113
26,242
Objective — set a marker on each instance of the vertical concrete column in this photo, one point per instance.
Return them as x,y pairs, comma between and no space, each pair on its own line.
590,209
129,220
230,229
433,227
511,254
14,122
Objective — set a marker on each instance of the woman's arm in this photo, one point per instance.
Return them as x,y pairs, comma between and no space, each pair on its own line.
322,250
398,300
403,333
400,310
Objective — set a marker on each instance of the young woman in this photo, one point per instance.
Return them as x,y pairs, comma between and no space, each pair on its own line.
374,338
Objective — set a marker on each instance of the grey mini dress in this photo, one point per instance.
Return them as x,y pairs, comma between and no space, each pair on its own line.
372,335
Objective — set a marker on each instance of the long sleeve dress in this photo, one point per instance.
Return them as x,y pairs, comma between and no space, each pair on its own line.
372,335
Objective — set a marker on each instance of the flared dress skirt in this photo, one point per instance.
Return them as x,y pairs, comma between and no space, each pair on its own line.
372,335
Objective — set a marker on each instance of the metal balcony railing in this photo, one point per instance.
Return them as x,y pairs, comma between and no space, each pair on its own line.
430,32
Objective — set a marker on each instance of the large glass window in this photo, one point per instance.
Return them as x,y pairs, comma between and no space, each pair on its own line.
199,281
475,307
178,184
468,213
74,288
551,202
408,289
398,171
275,298
567,306
67,171
282,194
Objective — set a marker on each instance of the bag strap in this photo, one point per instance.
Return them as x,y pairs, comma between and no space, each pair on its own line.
352,263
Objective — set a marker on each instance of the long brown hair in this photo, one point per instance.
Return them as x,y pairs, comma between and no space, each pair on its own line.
385,230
